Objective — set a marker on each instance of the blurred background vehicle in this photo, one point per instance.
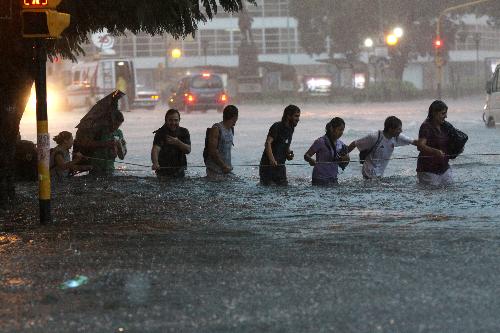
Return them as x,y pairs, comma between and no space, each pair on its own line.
203,91
146,97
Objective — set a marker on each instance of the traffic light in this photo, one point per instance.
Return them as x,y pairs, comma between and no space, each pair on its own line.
41,19
438,48
438,43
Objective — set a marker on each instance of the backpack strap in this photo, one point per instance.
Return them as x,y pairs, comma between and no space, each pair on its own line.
331,147
379,139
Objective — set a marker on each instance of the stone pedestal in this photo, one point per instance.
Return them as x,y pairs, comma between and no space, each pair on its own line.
248,60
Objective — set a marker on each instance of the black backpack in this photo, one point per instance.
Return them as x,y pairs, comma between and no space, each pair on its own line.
456,140
363,154
205,150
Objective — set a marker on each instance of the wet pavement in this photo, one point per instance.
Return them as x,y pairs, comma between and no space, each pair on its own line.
201,256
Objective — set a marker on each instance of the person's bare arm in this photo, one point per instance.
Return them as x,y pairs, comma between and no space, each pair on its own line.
269,151
423,147
186,149
308,157
213,151
155,151
351,146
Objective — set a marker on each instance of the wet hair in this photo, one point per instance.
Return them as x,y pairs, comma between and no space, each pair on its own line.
392,122
63,136
230,111
170,112
290,110
435,107
117,117
334,123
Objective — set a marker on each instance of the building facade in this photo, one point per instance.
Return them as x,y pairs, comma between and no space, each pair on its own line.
276,37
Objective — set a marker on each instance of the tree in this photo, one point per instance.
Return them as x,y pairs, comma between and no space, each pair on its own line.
176,17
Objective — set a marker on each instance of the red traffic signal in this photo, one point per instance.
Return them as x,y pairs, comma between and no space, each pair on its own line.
438,43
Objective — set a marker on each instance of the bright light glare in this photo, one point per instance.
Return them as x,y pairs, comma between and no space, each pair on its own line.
368,42
391,39
398,32
314,84
176,53
54,101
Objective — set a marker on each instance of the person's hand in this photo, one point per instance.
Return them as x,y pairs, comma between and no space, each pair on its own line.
289,155
172,140
273,163
155,166
440,153
312,162
110,144
226,169
77,157
344,158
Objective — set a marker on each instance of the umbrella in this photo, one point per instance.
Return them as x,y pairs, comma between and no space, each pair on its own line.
100,114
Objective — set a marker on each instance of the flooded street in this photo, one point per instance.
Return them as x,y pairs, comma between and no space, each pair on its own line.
203,256
397,198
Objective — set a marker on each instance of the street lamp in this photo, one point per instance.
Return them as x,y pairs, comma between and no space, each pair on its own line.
368,43
176,53
391,39
398,32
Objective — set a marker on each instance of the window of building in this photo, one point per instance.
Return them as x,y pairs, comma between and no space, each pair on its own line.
272,40
142,45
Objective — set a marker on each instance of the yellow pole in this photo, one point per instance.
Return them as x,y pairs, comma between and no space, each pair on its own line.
43,138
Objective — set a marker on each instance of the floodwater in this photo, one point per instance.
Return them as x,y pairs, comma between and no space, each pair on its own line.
202,256
397,199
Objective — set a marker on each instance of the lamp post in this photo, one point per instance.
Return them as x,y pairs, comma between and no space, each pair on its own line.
438,42
368,44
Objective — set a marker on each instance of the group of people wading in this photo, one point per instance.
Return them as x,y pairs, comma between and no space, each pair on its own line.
327,154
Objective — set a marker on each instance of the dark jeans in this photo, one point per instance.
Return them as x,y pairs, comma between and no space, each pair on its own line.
273,175
325,182
169,174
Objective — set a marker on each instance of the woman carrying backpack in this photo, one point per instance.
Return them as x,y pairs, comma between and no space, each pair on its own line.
437,143
330,154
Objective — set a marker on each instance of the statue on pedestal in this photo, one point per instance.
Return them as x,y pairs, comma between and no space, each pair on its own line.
245,24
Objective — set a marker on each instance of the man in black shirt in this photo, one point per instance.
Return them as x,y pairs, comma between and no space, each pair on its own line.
171,144
277,148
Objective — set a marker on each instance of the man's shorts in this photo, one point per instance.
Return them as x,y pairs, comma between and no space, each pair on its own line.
273,175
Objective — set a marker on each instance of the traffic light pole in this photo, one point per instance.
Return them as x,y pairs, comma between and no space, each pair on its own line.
43,138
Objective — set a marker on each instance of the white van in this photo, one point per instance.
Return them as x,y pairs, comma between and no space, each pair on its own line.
91,81
491,114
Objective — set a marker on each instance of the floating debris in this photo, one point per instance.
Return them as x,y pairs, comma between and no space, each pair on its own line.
78,281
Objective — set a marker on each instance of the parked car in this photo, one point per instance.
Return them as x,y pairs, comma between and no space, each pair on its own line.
146,97
491,114
199,92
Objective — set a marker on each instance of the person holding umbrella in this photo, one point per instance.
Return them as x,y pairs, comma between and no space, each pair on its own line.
99,137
